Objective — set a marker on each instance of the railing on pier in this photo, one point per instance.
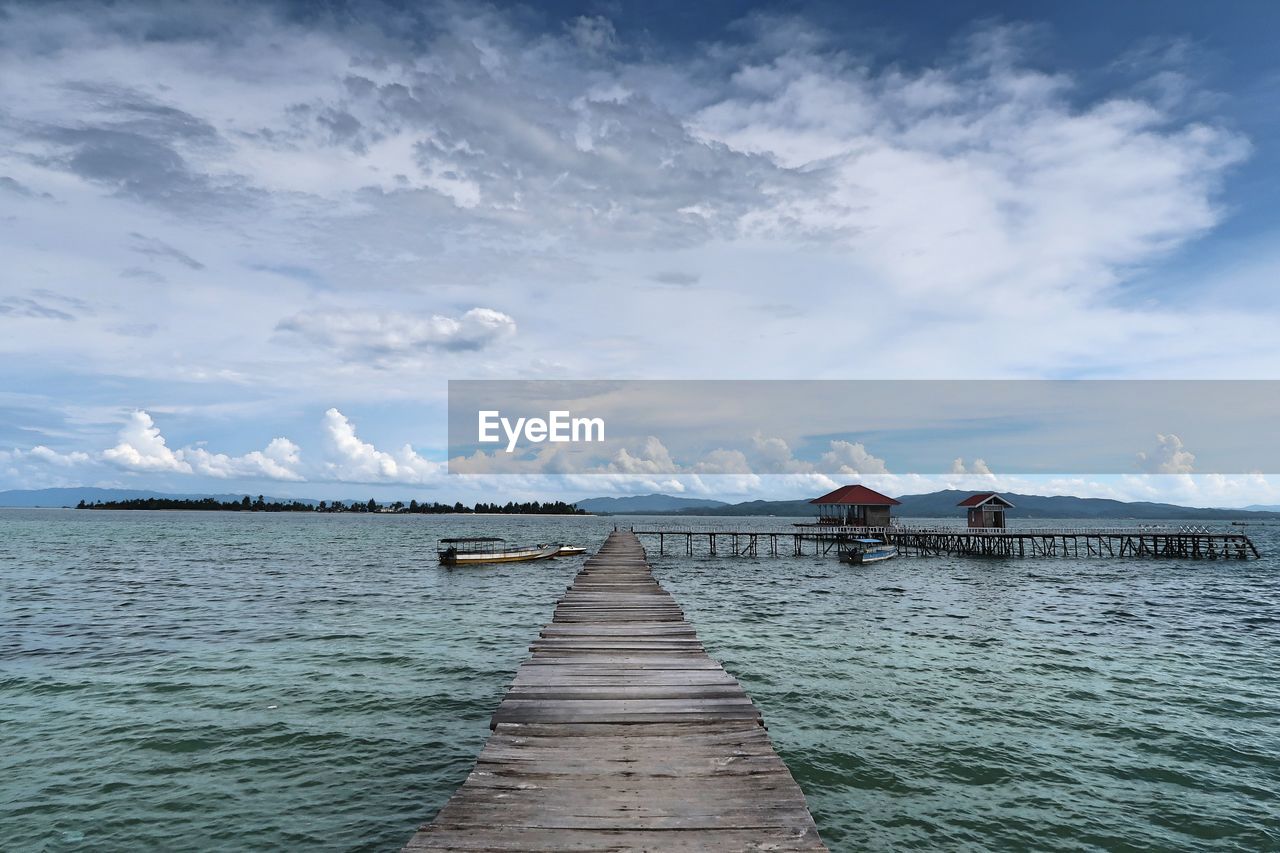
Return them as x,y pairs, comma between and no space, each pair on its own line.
1192,542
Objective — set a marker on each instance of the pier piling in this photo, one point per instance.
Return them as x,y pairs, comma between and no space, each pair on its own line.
1095,543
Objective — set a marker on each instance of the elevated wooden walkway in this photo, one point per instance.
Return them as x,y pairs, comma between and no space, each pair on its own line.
1181,543
621,733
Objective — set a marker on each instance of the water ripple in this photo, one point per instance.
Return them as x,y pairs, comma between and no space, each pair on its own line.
180,681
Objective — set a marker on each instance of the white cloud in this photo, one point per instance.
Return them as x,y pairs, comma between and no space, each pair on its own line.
380,186
43,467
650,467
379,336
651,457
354,460
1168,457
281,460
395,177
977,468
772,455
980,174
143,448
40,453
849,457
722,461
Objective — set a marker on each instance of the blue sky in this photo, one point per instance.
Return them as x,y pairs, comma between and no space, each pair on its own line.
247,245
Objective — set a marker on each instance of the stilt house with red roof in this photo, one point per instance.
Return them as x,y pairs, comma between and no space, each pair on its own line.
855,506
986,509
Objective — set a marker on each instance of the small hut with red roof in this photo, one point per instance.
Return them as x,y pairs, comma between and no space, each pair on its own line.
856,506
986,509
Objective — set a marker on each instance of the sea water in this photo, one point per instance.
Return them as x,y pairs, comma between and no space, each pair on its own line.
251,681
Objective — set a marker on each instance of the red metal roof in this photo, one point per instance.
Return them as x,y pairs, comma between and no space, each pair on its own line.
855,496
982,497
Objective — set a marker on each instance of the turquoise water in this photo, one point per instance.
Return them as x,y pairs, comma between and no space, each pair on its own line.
208,681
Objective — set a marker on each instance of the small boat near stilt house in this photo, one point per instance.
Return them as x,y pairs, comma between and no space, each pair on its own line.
862,551
478,550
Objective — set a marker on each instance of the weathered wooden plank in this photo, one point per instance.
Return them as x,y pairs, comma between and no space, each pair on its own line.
571,712
614,629
516,759
581,644
676,841
610,705
545,734
625,691
686,743
548,676
621,733
584,809
658,660
606,794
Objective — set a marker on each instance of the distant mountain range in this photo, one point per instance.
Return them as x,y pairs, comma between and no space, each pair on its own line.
943,505
785,508
647,504
88,494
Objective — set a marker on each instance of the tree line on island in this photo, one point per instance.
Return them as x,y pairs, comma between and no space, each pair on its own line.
245,504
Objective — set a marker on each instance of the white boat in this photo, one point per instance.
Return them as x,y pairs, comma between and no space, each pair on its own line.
476,550
862,551
570,551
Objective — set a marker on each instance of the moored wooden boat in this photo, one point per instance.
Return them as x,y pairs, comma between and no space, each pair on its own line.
862,551
477,550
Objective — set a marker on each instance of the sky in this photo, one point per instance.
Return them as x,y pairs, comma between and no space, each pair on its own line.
246,245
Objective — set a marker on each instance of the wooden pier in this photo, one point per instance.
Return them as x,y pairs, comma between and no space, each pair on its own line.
621,733
822,540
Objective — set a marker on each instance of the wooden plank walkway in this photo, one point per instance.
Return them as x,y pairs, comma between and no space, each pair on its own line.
621,733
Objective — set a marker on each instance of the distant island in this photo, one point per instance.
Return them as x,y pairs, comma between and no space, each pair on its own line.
941,504
246,504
